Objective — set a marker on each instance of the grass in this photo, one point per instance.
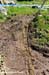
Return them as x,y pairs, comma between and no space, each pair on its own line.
43,29
2,17
42,25
32,2
42,22
21,10
17,11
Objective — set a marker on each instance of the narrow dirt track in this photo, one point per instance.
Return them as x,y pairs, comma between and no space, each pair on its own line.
14,55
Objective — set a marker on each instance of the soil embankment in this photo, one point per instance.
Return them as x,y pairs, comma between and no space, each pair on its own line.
18,54
15,58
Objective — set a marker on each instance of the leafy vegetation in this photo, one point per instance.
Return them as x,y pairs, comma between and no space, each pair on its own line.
42,30
2,17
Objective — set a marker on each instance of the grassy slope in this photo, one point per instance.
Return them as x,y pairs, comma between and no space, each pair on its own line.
21,10
18,11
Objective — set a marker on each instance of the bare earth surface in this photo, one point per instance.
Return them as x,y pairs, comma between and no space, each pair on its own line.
16,58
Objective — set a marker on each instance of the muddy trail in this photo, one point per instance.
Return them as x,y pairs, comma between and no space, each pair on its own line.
18,54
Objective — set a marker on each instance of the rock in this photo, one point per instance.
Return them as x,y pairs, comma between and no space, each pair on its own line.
7,1
10,2
3,10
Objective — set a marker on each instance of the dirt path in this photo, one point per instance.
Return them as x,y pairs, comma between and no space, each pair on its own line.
16,58
13,47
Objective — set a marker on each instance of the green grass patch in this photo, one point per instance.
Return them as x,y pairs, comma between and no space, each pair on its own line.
42,22
21,10
42,28
32,2
2,17
17,11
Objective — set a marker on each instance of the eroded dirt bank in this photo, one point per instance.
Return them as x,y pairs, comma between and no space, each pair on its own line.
15,58
17,53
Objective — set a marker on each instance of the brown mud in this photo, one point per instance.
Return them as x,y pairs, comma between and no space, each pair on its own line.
18,54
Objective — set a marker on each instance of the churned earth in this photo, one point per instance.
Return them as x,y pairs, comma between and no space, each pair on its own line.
18,56
13,47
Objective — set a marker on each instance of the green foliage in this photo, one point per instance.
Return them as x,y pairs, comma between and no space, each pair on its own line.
2,17
42,28
21,10
17,11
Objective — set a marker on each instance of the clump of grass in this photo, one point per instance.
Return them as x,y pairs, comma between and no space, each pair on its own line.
12,11
21,10
2,17
42,30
